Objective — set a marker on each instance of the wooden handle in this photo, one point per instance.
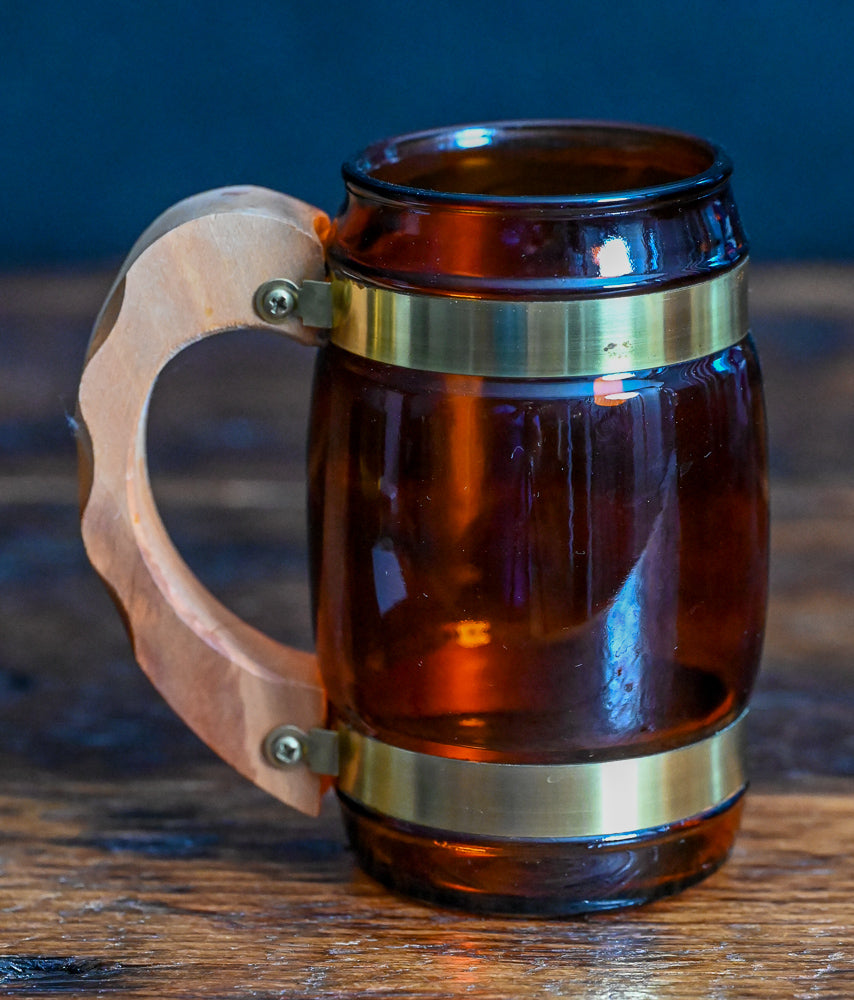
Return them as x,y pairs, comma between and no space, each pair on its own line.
193,273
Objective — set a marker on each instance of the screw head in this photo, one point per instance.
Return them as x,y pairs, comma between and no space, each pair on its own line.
285,746
276,300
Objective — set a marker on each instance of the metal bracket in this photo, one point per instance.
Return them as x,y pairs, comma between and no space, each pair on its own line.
278,299
287,746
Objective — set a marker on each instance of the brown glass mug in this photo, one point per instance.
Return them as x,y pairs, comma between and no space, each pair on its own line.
537,506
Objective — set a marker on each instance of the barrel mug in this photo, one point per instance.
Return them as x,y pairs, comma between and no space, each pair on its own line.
537,506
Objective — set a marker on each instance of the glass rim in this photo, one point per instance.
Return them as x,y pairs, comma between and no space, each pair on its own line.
360,171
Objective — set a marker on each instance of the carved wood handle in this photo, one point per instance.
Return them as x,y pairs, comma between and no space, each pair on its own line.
193,273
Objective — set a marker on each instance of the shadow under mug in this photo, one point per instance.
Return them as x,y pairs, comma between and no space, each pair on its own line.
537,506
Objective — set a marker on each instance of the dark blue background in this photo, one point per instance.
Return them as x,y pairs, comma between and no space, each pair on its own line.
110,111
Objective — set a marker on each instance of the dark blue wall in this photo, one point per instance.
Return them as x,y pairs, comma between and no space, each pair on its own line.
109,111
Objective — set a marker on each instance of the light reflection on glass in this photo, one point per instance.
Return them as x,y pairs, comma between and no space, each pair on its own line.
613,258
626,652
388,576
609,390
471,634
472,138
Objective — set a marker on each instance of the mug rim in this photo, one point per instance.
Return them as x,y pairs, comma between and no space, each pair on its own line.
360,171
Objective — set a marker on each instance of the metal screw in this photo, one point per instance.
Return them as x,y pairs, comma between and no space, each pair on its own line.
285,746
276,300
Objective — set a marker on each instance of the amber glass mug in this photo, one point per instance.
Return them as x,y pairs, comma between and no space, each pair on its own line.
537,506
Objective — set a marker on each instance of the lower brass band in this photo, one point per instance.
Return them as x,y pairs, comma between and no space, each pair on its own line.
544,801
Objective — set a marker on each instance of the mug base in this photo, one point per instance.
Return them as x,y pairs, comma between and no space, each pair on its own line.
542,877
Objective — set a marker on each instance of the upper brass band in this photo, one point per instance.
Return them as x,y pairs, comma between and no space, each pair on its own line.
528,339
543,801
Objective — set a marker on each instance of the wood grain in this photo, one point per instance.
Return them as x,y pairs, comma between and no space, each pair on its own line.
176,895
134,862
193,274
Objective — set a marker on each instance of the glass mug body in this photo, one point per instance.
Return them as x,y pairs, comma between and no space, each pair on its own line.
542,558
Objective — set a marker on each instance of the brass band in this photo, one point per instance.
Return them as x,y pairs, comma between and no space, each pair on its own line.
543,801
527,339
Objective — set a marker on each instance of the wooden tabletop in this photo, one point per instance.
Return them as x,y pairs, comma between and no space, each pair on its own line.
132,861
